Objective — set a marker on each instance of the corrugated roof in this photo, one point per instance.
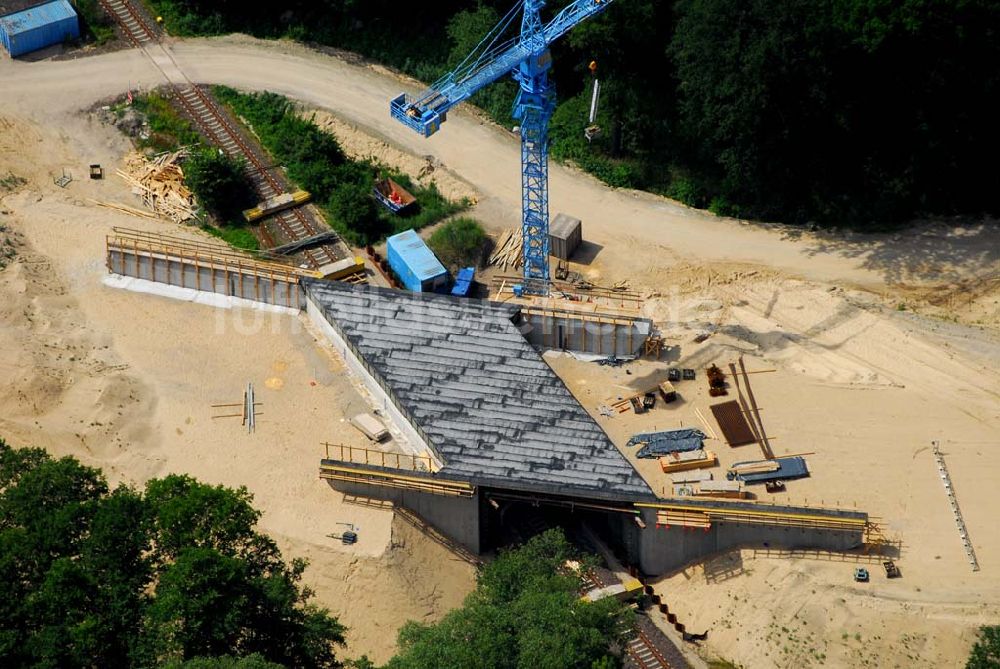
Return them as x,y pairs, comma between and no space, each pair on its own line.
491,408
11,6
36,17
417,256
562,226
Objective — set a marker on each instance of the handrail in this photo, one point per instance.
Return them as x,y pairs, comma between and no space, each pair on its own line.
372,456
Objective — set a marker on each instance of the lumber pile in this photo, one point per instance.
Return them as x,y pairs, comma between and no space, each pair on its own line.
159,183
761,467
508,252
678,462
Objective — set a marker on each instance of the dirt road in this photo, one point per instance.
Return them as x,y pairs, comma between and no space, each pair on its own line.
630,230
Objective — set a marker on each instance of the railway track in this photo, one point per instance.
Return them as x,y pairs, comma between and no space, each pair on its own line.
641,651
292,224
135,26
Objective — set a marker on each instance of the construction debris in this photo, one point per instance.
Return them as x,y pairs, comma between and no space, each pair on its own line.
716,381
508,252
124,208
159,183
668,441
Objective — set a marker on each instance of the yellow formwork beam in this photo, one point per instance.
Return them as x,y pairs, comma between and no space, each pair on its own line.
398,480
724,513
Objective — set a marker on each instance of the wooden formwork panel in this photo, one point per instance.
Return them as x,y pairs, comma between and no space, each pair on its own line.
229,275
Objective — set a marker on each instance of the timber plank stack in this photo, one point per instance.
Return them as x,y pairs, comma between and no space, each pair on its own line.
508,253
159,183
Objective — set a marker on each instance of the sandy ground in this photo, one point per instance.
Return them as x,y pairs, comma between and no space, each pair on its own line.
864,389
126,381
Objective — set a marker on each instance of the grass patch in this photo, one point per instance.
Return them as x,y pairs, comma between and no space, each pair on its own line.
237,237
95,21
341,187
12,181
168,130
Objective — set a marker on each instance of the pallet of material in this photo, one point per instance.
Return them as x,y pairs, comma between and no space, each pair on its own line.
790,467
737,494
509,250
159,183
696,476
275,204
760,467
677,462
719,486
623,404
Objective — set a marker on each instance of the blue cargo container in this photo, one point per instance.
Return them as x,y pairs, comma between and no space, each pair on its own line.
38,27
415,264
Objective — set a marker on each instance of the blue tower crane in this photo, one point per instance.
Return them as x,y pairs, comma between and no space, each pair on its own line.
528,59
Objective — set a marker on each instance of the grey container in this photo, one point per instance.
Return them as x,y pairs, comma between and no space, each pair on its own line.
38,27
565,235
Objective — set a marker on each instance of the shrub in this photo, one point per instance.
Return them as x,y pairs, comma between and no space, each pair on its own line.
459,243
352,212
220,184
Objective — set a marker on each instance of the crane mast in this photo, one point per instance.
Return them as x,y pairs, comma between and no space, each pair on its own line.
528,60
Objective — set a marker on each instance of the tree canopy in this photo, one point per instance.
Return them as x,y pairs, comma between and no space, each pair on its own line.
986,651
177,575
844,112
525,613
220,184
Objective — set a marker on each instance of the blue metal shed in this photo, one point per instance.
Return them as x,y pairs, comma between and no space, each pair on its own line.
415,264
38,27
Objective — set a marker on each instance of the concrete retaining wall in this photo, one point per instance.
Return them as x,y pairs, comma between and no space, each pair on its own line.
245,281
415,443
584,333
458,518
657,550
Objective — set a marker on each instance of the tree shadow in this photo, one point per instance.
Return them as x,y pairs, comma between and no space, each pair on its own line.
926,251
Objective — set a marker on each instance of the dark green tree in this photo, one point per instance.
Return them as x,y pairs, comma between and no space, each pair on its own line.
986,651
221,185
353,209
526,612
118,579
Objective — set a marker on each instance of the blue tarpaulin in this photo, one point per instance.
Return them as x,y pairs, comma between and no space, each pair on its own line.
789,468
656,444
